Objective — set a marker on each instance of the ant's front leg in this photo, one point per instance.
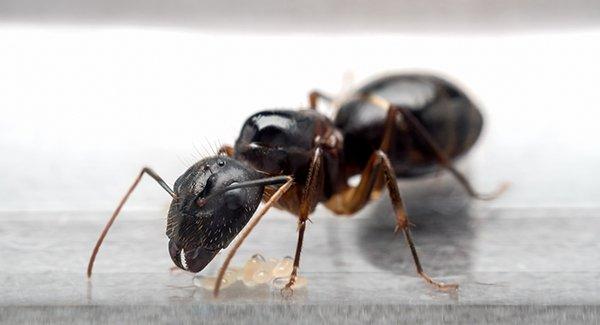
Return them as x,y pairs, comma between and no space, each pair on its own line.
289,182
314,178
144,171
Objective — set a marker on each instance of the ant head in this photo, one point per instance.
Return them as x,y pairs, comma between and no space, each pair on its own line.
205,217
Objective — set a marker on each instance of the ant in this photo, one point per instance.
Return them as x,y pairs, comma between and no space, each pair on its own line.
397,126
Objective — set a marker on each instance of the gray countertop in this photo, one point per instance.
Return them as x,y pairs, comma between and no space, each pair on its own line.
511,264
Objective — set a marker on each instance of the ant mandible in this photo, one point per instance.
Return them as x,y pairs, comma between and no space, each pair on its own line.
397,126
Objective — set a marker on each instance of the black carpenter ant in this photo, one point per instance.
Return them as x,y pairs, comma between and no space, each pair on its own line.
402,125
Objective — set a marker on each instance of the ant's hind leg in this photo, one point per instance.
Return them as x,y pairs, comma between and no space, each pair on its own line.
443,159
379,172
402,223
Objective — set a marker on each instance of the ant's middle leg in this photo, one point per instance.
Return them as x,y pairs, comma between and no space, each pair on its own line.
402,222
315,176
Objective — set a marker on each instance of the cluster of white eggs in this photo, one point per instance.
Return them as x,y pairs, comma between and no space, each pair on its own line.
256,271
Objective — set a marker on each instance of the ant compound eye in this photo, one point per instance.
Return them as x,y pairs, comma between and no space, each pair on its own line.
234,199
221,163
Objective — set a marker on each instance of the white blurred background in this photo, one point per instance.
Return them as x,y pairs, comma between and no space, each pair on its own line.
83,106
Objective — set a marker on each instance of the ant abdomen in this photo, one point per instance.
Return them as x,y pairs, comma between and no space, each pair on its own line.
448,115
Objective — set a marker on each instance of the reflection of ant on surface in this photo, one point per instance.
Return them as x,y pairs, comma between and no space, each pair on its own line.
402,125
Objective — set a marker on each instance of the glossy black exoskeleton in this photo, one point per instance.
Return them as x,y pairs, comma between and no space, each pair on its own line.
446,112
197,232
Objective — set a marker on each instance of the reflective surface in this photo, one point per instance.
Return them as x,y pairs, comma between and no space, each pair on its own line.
517,263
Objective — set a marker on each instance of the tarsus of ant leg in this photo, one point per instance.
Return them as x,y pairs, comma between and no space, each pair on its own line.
442,158
420,129
427,278
284,188
403,222
144,170
307,202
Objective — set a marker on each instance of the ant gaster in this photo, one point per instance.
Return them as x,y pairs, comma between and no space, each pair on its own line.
398,126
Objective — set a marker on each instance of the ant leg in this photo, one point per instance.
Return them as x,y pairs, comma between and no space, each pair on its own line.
414,124
144,170
378,172
315,95
371,181
226,150
307,203
248,229
354,198
443,159
402,220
